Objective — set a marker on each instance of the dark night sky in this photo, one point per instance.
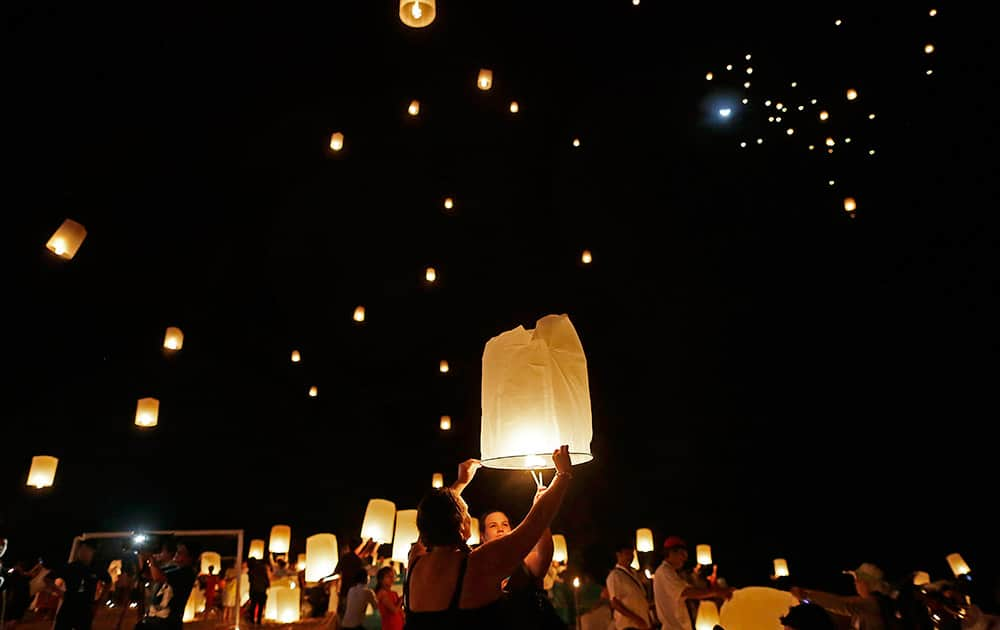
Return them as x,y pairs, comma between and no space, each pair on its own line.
767,374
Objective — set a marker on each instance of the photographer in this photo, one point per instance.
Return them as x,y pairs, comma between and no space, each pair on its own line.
180,577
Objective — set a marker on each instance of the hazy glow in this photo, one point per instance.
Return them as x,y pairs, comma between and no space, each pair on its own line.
709,76
823,115
725,112
852,94
514,107
929,48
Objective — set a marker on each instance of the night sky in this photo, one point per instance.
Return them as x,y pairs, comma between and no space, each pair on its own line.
768,374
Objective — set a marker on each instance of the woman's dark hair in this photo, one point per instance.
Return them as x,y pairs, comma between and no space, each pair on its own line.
439,519
379,576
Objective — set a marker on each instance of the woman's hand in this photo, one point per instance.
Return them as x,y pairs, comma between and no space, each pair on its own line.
467,470
560,458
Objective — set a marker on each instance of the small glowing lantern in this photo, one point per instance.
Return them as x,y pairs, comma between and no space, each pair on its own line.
296,357
473,532
147,410
449,203
852,94
709,76
211,559
824,115
281,538
932,12
704,554
43,471
485,80
830,142
780,567
586,257
174,339
957,564
443,366
67,239
635,560
313,391
405,535
430,274
535,396
256,549
337,141
446,423
850,205
708,615
576,580
377,525
789,131
414,108
929,48
417,13
300,564
322,556
437,480
649,576
514,107
920,578
559,553
576,142
359,314
644,539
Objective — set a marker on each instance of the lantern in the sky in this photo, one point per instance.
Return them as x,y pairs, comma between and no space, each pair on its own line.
644,539
405,535
708,615
824,115
296,356
852,94
473,532
281,539
417,13
377,525
780,567
920,578
322,556
65,242
174,339
147,411
635,560
300,564
313,391
514,107
576,142
704,554
559,553
445,423
359,314
414,108
336,141
437,480
485,80
449,203
850,205
443,366
256,549
957,564
43,471
211,559
430,274
586,258
535,396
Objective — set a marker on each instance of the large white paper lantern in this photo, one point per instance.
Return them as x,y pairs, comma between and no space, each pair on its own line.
559,552
437,480
256,549
65,242
780,567
417,13
704,554
405,535
473,532
211,559
708,615
322,556
535,396
282,602
378,521
281,539
957,564
147,411
644,539
756,608
43,471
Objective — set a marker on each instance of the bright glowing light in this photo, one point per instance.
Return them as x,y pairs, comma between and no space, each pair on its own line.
414,107
59,246
760,141
437,480
850,205
748,57
576,142
743,145
534,460
789,131
830,142
359,314
930,72
795,84
813,101
929,48
485,80
767,103
313,391
823,115
749,70
778,106
576,582
337,141
296,356
871,151
514,107
586,257
745,101
780,567
635,3
725,112
871,116
847,140
838,22
746,85
770,119
709,76
430,274
812,146
443,367
449,203
801,107
932,12
852,94
415,11
729,66
777,119
139,539
831,182
445,423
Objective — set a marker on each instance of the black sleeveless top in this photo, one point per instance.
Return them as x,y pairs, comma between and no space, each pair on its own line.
489,617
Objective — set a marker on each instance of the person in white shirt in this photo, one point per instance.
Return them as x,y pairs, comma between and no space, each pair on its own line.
670,590
358,599
627,592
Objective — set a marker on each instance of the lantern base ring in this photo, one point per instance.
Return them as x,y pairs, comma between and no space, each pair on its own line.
536,461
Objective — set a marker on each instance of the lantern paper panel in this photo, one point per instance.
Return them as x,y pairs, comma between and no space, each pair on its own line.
780,567
417,13
359,314
147,412
42,473
296,356
378,522
514,107
644,539
535,396
443,367
414,108
313,391
559,552
194,604
921,577
66,241
406,534
756,608
704,554
281,539
211,559
256,549
173,339
449,203
586,257
708,615
437,480
485,80
445,423
336,141
430,274
473,532
957,564
285,608
322,556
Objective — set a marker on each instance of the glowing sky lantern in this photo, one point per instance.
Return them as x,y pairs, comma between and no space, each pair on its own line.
256,549
296,356
644,539
830,142
443,367
485,80
780,567
313,391
378,521
576,142
42,473
586,257
850,205
437,480
824,115
559,553
173,339
449,203
473,532
359,314
430,274
281,539
66,241
406,534
708,615
535,396
417,13
929,48
920,578
576,580
514,107
211,559
336,141
635,560
709,76
414,108
446,423
932,12
852,94
957,564
147,411
322,556
789,131
704,554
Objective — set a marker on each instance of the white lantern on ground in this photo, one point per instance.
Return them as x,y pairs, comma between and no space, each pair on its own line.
378,521
211,559
322,556
535,396
708,615
559,552
957,564
704,554
256,549
42,473
405,535
65,242
644,539
195,601
417,13
281,539
780,567
286,603
473,532
173,339
437,480
147,410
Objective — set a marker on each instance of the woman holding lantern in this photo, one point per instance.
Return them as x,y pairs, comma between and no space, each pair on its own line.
452,586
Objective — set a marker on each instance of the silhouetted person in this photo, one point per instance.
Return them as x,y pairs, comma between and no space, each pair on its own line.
81,581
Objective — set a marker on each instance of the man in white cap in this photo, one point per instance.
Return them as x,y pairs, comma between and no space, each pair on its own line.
870,609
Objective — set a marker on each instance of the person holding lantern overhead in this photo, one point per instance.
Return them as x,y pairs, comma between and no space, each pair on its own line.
451,586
